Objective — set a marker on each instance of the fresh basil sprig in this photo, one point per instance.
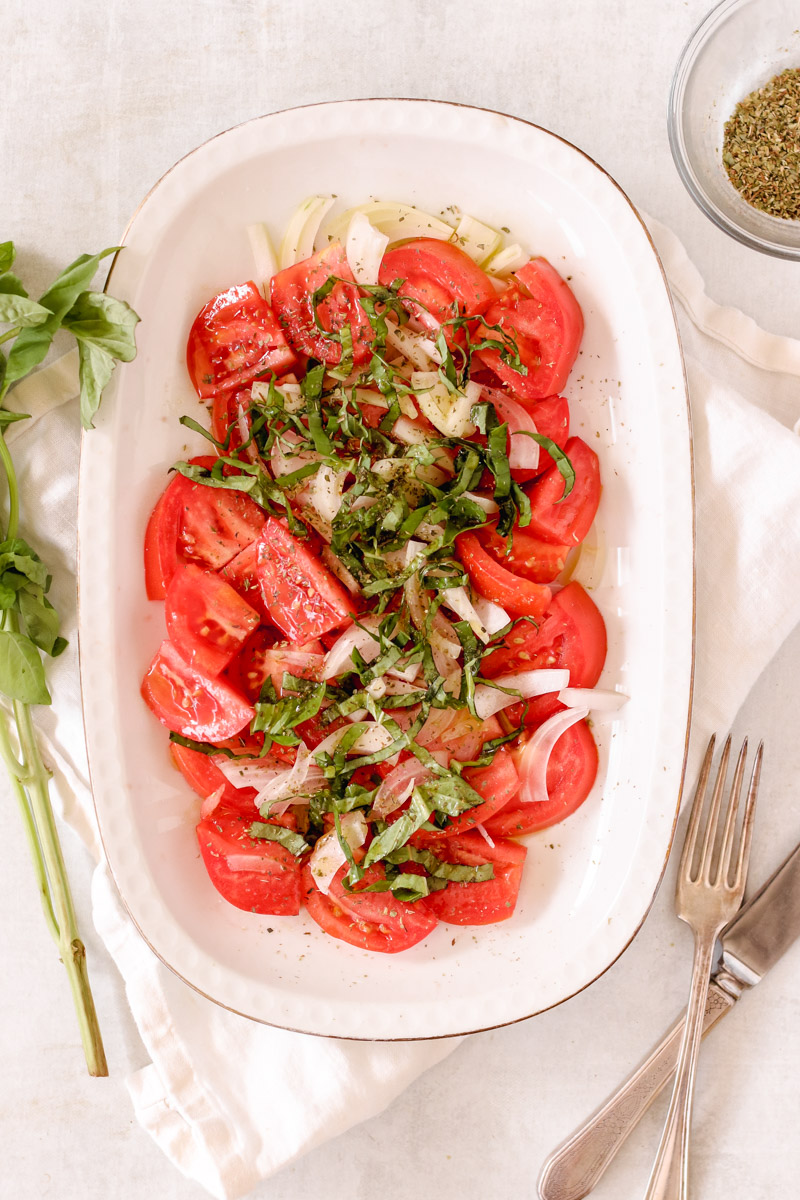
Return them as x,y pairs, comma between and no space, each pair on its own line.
104,331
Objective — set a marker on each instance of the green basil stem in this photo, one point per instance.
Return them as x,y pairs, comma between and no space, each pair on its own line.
30,783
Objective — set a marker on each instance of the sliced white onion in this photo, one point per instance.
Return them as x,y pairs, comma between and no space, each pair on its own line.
536,754
325,491
490,700
302,229
489,506
492,615
448,413
264,261
375,737
364,246
397,221
340,655
486,836
245,772
328,855
211,803
598,699
523,454
507,260
369,396
419,350
400,783
282,463
402,675
292,786
292,394
458,601
477,240
393,686
337,568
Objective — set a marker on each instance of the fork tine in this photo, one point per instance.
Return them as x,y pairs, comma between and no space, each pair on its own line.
749,816
707,851
726,849
687,857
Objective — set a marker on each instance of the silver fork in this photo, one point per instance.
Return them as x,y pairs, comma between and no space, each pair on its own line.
707,897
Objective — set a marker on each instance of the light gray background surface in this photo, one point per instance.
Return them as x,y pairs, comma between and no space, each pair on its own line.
98,101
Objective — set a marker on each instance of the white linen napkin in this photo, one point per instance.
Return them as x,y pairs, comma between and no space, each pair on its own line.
217,1083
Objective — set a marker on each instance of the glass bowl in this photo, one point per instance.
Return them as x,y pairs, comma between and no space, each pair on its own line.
739,46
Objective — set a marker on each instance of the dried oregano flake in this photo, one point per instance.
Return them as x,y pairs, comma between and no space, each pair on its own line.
761,148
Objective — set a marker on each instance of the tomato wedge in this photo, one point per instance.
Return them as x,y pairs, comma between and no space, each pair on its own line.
518,596
205,778
371,920
542,315
251,873
528,556
242,574
551,417
572,635
498,784
192,522
566,520
235,337
292,292
190,703
302,597
439,280
482,903
207,621
571,773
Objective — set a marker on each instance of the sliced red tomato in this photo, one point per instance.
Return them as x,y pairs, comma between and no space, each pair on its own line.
371,920
292,291
529,556
242,574
542,315
572,635
498,784
551,418
228,412
251,873
192,522
571,773
207,621
205,778
265,655
440,280
566,520
235,337
190,703
518,596
483,903
302,597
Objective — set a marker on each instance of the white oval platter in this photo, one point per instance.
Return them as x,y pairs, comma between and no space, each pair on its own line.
588,882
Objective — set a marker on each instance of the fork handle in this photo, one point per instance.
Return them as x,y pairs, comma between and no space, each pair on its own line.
576,1166
669,1178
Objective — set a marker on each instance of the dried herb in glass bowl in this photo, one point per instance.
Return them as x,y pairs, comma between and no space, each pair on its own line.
761,147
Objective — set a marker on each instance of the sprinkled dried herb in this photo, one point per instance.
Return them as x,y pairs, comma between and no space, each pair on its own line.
761,148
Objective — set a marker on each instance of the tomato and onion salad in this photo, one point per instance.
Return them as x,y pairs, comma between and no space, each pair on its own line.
366,633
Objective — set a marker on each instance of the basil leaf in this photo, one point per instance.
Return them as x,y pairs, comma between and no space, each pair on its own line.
19,310
452,872
276,718
356,872
200,747
41,621
74,279
104,322
95,367
21,669
12,285
397,834
7,417
559,458
7,256
295,843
